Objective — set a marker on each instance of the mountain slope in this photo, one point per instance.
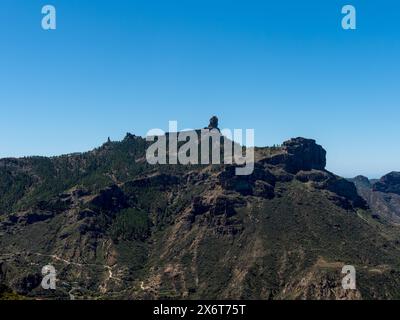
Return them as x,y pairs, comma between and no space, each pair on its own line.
117,227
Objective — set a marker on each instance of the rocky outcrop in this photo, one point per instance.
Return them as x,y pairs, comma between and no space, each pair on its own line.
381,196
389,183
345,191
313,175
213,124
305,154
199,206
111,199
260,183
348,191
263,189
300,154
361,181
159,180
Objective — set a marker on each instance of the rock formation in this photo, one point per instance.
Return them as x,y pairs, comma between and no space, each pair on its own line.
213,123
389,183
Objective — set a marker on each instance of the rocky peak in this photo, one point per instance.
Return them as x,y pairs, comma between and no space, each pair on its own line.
300,154
309,155
361,181
389,183
213,123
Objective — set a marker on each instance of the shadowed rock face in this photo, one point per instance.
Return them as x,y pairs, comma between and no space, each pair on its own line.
383,196
300,154
306,154
362,181
389,183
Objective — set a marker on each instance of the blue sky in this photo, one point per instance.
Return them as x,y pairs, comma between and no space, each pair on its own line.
284,68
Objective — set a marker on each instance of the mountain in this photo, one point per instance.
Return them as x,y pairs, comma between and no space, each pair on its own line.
116,227
389,183
382,196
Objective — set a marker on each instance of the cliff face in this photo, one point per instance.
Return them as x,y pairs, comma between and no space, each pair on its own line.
299,154
383,196
116,227
305,154
389,183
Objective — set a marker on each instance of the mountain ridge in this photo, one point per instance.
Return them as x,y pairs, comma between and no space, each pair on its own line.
116,227
382,196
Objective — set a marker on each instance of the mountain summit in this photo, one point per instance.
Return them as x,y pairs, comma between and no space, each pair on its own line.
389,183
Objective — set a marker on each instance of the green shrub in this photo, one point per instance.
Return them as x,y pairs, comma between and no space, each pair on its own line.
131,224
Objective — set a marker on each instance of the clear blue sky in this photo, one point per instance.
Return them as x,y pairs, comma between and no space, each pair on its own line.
284,68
